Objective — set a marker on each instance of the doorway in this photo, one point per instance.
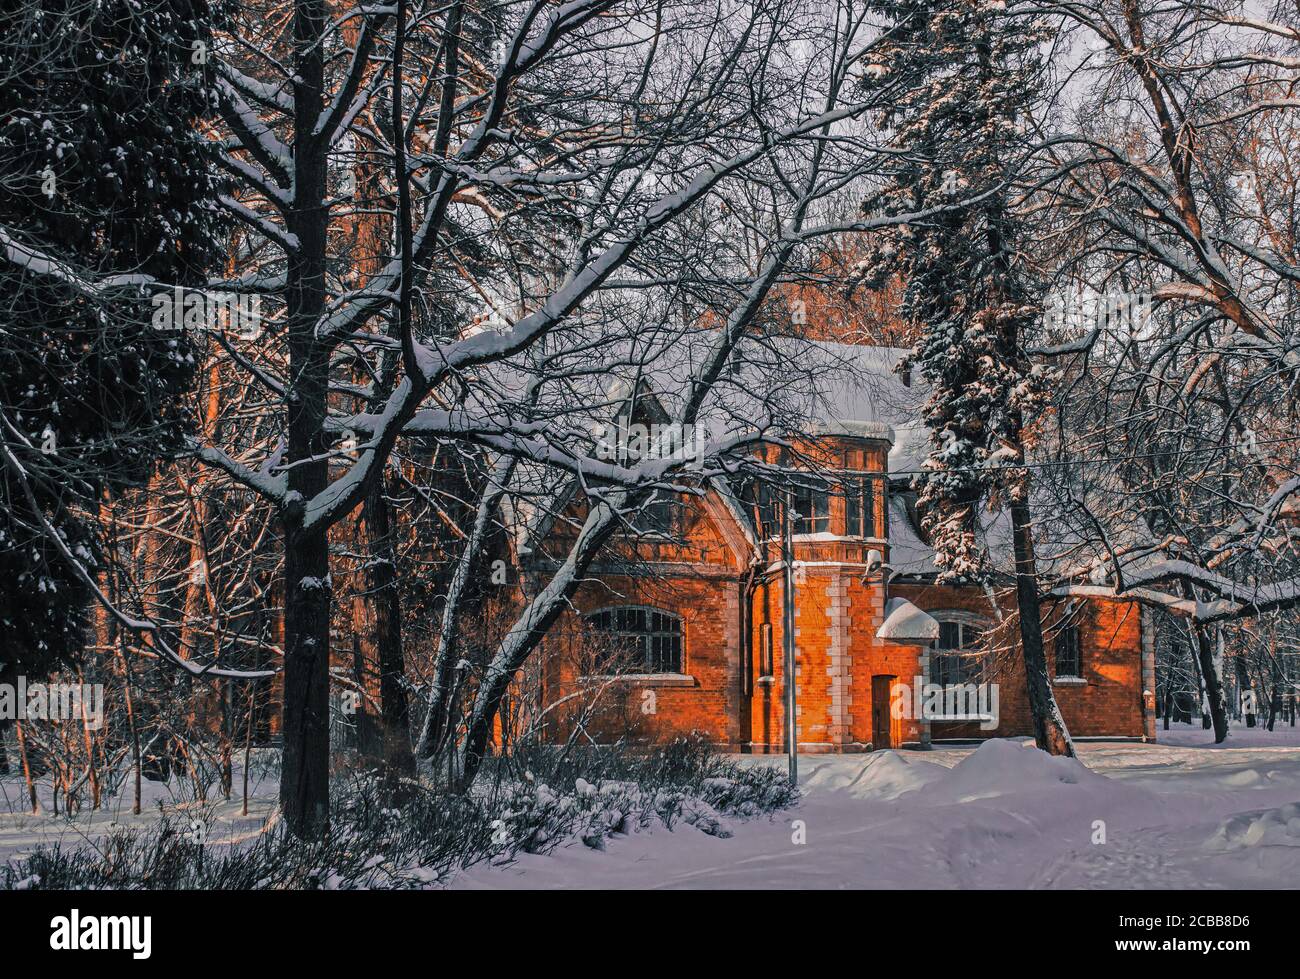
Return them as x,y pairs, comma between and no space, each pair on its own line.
880,719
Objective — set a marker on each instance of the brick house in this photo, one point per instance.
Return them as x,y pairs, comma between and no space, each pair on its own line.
678,627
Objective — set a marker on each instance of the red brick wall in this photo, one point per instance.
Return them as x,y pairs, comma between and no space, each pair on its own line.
837,616
1107,704
655,709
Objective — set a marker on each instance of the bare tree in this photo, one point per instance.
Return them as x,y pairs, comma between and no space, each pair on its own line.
1170,215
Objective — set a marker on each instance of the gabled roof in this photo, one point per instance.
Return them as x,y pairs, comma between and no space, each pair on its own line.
819,388
816,387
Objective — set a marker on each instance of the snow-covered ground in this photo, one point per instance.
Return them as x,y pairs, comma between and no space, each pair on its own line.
218,821
1180,813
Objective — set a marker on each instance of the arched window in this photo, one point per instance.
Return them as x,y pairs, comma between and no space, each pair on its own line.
958,656
636,639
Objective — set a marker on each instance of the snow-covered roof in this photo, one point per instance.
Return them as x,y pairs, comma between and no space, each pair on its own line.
793,384
909,554
815,386
1064,545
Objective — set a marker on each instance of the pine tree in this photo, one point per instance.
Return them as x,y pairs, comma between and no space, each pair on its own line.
108,198
959,81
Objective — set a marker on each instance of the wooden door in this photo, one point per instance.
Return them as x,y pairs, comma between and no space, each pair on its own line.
880,721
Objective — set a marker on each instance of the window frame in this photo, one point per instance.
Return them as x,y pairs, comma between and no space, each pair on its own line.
649,635
860,493
831,506
818,501
1072,635
649,522
766,652
971,658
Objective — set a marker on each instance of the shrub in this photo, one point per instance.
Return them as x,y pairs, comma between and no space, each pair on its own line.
531,802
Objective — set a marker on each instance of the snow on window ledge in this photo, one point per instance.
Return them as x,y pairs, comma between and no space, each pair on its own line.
1070,681
823,536
644,679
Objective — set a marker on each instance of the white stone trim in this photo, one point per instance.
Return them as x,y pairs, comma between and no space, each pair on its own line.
839,654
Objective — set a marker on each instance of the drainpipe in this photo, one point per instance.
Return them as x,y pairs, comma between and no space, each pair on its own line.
791,680
747,586
926,735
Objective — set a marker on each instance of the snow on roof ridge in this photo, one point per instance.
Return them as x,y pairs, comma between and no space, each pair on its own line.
853,427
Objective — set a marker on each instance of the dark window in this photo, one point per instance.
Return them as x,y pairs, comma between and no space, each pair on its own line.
950,635
765,651
760,500
633,639
958,656
814,509
860,506
1069,652
661,515
765,501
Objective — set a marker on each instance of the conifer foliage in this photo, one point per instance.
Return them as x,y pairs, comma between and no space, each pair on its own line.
961,82
108,197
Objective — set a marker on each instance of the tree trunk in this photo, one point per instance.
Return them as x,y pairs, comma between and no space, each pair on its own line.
132,730
198,584
364,663
381,574
1201,702
27,770
227,735
437,717
529,628
1050,732
248,745
92,770
1214,693
304,786
1274,699
6,672
304,779
1245,703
